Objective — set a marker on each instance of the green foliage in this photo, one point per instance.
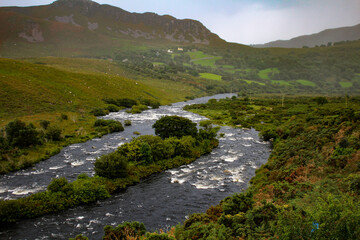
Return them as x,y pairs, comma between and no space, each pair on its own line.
58,184
311,178
64,116
320,100
109,126
151,103
79,237
44,124
18,134
127,230
137,109
174,126
53,133
112,108
127,122
113,165
241,202
98,112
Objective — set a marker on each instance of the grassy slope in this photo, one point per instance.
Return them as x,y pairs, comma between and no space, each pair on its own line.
55,86
71,85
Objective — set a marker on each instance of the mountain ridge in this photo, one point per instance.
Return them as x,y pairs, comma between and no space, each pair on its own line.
93,23
325,37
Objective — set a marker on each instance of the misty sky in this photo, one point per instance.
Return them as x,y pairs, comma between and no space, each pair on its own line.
245,21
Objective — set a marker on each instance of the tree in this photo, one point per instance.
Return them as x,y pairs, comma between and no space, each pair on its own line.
113,165
18,134
174,126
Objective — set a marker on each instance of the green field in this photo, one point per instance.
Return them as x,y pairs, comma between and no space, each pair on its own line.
158,63
203,59
197,55
264,74
306,83
251,81
210,76
280,82
346,84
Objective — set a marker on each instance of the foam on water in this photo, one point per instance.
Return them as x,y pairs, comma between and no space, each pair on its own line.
57,167
77,163
25,191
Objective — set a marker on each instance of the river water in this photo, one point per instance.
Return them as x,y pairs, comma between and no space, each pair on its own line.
160,201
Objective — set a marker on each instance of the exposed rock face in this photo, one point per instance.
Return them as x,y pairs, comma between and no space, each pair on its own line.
93,26
153,26
67,19
32,33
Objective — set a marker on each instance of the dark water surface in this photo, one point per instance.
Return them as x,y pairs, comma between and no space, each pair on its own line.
160,201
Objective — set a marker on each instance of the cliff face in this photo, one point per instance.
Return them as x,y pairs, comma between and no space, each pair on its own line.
92,22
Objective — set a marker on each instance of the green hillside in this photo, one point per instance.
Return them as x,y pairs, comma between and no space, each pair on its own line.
64,92
28,88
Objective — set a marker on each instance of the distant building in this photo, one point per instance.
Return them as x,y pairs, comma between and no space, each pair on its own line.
170,51
180,49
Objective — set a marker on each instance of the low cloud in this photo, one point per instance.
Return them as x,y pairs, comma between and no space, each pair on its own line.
257,23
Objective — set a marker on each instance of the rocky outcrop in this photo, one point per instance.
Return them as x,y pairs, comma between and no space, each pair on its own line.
67,19
32,33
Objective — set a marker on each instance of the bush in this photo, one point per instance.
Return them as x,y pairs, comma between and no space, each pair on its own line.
174,126
110,125
113,165
138,109
127,123
64,116
18,134
112,108
44,124
98,112
58,184
53,133
126,102
127,230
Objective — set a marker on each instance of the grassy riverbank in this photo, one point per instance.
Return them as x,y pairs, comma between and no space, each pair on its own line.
308,189
131,162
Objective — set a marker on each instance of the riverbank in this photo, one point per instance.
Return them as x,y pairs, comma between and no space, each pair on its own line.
309,188
146,155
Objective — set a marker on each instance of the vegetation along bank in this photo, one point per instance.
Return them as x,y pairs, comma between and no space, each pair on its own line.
309,188
178,142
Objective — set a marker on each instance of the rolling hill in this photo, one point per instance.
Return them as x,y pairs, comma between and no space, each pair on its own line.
325,37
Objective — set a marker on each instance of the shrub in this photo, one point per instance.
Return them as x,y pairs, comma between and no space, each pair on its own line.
127,123
126,102
112,108
151,103
127,230
111,125
138,109
174,126
64,116
97,112
89,190
57,184
53,133
18,134
44,124
113,165
79,237
241,202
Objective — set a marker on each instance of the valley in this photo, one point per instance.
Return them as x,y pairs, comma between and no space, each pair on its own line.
271,151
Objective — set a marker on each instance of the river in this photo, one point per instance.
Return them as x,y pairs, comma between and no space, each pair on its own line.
160,201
